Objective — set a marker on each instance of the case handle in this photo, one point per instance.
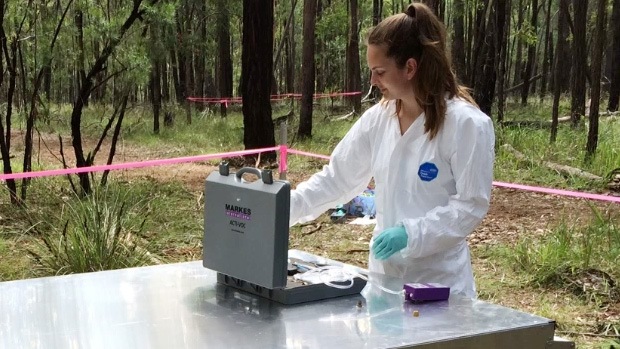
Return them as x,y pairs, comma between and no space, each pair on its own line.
265,175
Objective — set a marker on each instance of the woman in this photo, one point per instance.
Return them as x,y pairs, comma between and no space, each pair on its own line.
429,149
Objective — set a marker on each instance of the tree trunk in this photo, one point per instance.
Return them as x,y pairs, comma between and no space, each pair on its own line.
531,53
614,89
307,88
290,54
484,87
5,134
546,53
184,67
256,75
199,58
479,44
155,87
458,40
225,72
578,98
558,71
155,76
86,89
564,55
519,54
434,6
377,11
595,87
503,26
353,59
165,82
320,52
115,136
79,24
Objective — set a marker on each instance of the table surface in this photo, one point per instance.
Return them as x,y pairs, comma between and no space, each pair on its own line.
182,306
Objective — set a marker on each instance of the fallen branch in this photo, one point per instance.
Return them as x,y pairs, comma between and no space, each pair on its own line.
563,169
351,114
367,98
313,230
589,334
547,124
361,250
515,87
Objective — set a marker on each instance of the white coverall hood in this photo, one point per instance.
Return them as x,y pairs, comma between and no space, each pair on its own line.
438,190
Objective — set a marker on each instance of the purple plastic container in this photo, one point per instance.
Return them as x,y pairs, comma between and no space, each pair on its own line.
418,292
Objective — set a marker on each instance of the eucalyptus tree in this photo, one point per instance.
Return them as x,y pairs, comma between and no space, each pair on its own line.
23,32
115,32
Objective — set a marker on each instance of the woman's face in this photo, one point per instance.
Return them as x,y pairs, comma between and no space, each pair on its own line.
394,82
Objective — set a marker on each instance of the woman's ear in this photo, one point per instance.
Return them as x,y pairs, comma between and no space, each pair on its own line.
412,68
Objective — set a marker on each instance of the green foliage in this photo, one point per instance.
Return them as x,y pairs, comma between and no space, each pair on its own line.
612,343
569,249
569,149
98,232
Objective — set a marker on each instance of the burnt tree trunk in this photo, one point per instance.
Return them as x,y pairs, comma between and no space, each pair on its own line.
547,51
565,54
558,70
485,68
308,77
225,70
578,95
353,59
502,15
458,40
256,75
614,89
290,53
155,78
595,87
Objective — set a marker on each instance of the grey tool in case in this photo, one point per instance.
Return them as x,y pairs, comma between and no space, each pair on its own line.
246,238
243,237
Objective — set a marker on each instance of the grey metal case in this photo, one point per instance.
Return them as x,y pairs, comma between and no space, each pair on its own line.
243,238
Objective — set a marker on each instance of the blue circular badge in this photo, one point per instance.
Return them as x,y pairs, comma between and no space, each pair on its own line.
428,171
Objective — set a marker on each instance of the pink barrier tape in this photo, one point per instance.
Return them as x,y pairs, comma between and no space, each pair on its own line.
280,97
283,167
562,192
294,151
128,165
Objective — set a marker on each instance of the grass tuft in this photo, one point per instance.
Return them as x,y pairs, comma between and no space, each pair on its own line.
99,232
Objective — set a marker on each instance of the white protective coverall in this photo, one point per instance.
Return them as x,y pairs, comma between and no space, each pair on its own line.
438,190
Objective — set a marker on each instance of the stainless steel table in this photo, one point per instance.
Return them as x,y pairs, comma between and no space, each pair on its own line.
182,306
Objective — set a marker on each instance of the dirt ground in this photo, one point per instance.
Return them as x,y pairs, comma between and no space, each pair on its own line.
513,213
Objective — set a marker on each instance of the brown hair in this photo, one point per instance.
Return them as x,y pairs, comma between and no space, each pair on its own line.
419,34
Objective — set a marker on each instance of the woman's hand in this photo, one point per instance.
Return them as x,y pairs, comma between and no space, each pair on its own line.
390,241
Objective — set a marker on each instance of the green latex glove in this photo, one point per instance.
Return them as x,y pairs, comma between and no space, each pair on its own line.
390,241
